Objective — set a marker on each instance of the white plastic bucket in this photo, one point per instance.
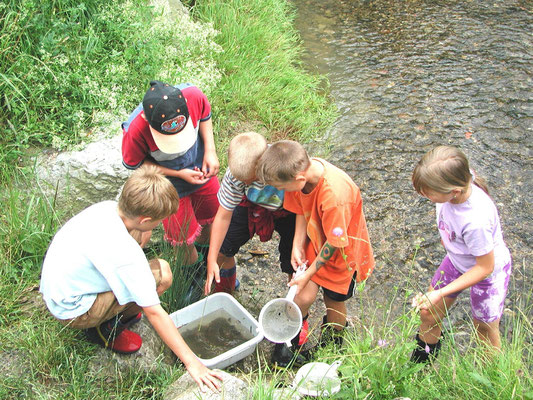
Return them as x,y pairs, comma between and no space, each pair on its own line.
226,302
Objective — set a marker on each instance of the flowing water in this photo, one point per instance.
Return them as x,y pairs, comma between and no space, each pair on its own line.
407,76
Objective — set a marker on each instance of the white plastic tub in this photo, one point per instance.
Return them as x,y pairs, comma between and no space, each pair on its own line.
228,303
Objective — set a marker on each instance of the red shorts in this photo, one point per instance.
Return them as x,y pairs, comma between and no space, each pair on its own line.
197,209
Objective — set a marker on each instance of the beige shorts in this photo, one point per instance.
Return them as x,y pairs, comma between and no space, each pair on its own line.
106,306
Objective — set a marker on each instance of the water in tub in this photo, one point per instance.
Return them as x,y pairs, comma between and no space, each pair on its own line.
214,334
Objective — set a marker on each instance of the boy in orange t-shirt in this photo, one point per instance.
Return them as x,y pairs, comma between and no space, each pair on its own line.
330,236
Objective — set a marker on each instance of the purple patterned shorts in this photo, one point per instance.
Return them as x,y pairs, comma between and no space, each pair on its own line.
486,297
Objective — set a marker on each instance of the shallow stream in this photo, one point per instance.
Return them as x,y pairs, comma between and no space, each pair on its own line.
407,76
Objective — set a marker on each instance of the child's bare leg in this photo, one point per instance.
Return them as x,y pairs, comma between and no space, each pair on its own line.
489,332
336,313
225,262
306,297
430,326
204,236
186,253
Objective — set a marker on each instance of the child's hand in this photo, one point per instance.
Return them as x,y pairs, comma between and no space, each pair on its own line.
194,176
145,238
210,165
213,272
427,300
204,376
297,257
301,281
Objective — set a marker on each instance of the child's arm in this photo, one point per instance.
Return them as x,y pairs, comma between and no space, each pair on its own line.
218,233
298,243
325,254
210,165
483,268
166,329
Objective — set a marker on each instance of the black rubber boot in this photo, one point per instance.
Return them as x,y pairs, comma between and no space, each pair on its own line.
425,352
198,272
287,357
330,334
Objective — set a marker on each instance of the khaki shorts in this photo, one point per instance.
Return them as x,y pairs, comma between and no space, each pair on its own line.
106,306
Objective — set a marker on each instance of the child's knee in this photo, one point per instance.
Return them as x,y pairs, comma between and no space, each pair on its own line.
305,299
166,276
429,317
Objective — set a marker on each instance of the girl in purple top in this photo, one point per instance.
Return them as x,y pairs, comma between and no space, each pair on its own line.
476,255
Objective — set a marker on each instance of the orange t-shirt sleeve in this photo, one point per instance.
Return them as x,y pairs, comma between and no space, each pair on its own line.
291,203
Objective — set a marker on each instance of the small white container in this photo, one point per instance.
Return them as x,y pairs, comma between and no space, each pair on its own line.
226,302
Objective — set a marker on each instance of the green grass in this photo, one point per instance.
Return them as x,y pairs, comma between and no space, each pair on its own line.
375,362
261,67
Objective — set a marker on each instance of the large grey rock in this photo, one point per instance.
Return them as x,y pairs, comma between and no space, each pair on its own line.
185,388
83,177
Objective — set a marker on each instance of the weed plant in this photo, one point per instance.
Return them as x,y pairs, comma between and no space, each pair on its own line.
376,365
188,281
377,348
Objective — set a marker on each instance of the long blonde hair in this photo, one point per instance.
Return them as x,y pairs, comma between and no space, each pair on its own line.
444,169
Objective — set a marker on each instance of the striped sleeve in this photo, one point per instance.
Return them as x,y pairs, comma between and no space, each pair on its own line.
231,191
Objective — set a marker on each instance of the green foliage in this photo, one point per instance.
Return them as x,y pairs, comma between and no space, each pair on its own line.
263,77
63,62
187,283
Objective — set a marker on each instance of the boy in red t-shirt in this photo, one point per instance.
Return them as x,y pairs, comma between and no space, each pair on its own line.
172,129
330,235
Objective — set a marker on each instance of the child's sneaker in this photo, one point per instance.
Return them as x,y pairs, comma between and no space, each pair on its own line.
425,352
113,334
133,320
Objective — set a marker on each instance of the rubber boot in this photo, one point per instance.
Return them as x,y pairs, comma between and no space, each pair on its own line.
202,248
425,352
198,272
330,334
284,356
113,335
304,332
228,279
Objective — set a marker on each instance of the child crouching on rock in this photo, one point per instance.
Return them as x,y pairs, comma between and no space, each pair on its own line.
330,236
96,277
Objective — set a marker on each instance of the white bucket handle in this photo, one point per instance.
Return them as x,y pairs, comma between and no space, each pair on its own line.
292,291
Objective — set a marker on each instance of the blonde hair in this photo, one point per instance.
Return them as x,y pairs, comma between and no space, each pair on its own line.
244,151
444,169
282,161
148,193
